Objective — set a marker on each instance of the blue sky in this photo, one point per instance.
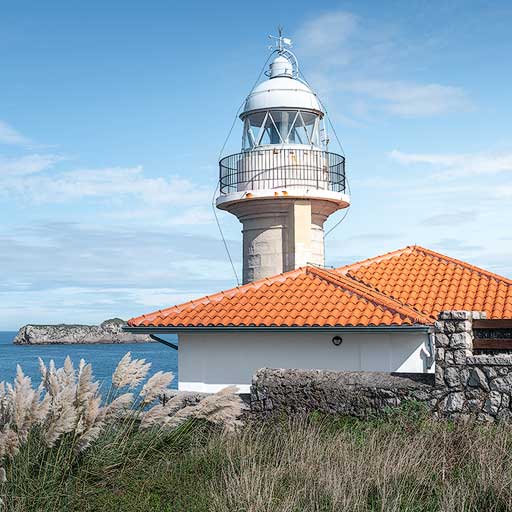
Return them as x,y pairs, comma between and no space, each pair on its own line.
112,116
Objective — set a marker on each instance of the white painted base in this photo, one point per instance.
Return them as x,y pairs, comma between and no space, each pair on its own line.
203,387
341,199
210,362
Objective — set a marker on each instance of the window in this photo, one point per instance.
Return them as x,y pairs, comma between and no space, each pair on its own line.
281,127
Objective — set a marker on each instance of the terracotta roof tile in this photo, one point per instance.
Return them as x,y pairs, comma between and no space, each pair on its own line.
404,287
431,282
308,296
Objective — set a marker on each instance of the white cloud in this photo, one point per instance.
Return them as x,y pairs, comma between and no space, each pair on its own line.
410,99
451,218
348,54
193,216
327,33
503,192
458,164
8,135
196,215
71,272
19,176
25,165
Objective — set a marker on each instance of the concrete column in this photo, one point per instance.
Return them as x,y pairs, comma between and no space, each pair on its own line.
301,239
281,234
265,245
318,217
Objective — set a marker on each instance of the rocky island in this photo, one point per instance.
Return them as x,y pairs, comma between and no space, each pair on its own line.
110,331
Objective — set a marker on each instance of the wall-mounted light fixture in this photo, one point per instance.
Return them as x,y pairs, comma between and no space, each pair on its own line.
337,341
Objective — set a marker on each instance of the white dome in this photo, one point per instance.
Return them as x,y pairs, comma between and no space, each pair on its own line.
281,92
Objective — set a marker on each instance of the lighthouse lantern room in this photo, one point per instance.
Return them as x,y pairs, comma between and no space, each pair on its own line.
285,182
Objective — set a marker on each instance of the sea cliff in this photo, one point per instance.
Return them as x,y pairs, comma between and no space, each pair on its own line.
110,331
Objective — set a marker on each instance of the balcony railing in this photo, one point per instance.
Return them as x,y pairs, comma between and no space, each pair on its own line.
275,168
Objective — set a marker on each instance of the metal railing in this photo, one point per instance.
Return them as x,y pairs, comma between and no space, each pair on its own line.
277,168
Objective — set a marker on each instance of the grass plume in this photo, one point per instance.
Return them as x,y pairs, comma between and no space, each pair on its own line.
50,428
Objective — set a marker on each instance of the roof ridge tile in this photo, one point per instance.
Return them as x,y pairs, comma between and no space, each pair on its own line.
373,295
376,259
464,264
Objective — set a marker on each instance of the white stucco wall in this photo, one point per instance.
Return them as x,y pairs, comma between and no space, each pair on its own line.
209,362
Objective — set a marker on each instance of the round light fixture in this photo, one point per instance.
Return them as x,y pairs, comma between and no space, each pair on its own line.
337,341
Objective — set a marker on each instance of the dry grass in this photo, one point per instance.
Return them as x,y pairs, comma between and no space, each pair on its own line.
65,448
390,465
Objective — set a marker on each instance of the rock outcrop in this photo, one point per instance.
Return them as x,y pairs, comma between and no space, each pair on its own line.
110,331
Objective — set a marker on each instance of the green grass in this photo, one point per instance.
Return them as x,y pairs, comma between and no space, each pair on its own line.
402,461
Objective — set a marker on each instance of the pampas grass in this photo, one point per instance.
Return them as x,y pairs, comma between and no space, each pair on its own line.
130,372
224,409
156,386
9,443
67,413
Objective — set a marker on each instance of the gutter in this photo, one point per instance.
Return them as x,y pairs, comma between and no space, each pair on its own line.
164,342
242,329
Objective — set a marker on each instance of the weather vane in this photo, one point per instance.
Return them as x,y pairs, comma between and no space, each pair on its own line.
281,42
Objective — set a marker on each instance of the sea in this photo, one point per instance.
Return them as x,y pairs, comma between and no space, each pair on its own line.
103,357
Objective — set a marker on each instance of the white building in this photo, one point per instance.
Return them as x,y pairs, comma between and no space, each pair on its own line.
292,313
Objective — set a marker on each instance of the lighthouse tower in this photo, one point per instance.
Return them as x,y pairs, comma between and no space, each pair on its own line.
284,183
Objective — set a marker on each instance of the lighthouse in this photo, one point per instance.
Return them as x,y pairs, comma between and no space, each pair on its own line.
284,183
282,186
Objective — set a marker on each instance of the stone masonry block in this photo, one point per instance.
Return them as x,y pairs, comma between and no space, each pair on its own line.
502,384
461,340
451,377
441,340
464,376
493,402
490,360
463,326
462,315
450,327
477,379
454,402
439,326
439,376
455,315
460,356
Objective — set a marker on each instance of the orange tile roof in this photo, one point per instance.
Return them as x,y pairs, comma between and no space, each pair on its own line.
430,282
308,296
404,287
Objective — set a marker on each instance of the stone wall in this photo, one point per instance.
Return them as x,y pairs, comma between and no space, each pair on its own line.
469,385
464,386
354,393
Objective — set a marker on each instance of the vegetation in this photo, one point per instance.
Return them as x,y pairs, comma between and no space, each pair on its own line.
204,460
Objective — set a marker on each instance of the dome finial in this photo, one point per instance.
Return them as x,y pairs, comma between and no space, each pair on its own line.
286,63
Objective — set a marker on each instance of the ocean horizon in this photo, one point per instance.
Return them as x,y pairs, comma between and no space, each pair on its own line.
103,357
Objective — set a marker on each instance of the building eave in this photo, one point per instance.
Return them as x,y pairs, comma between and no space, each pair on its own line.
238,329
